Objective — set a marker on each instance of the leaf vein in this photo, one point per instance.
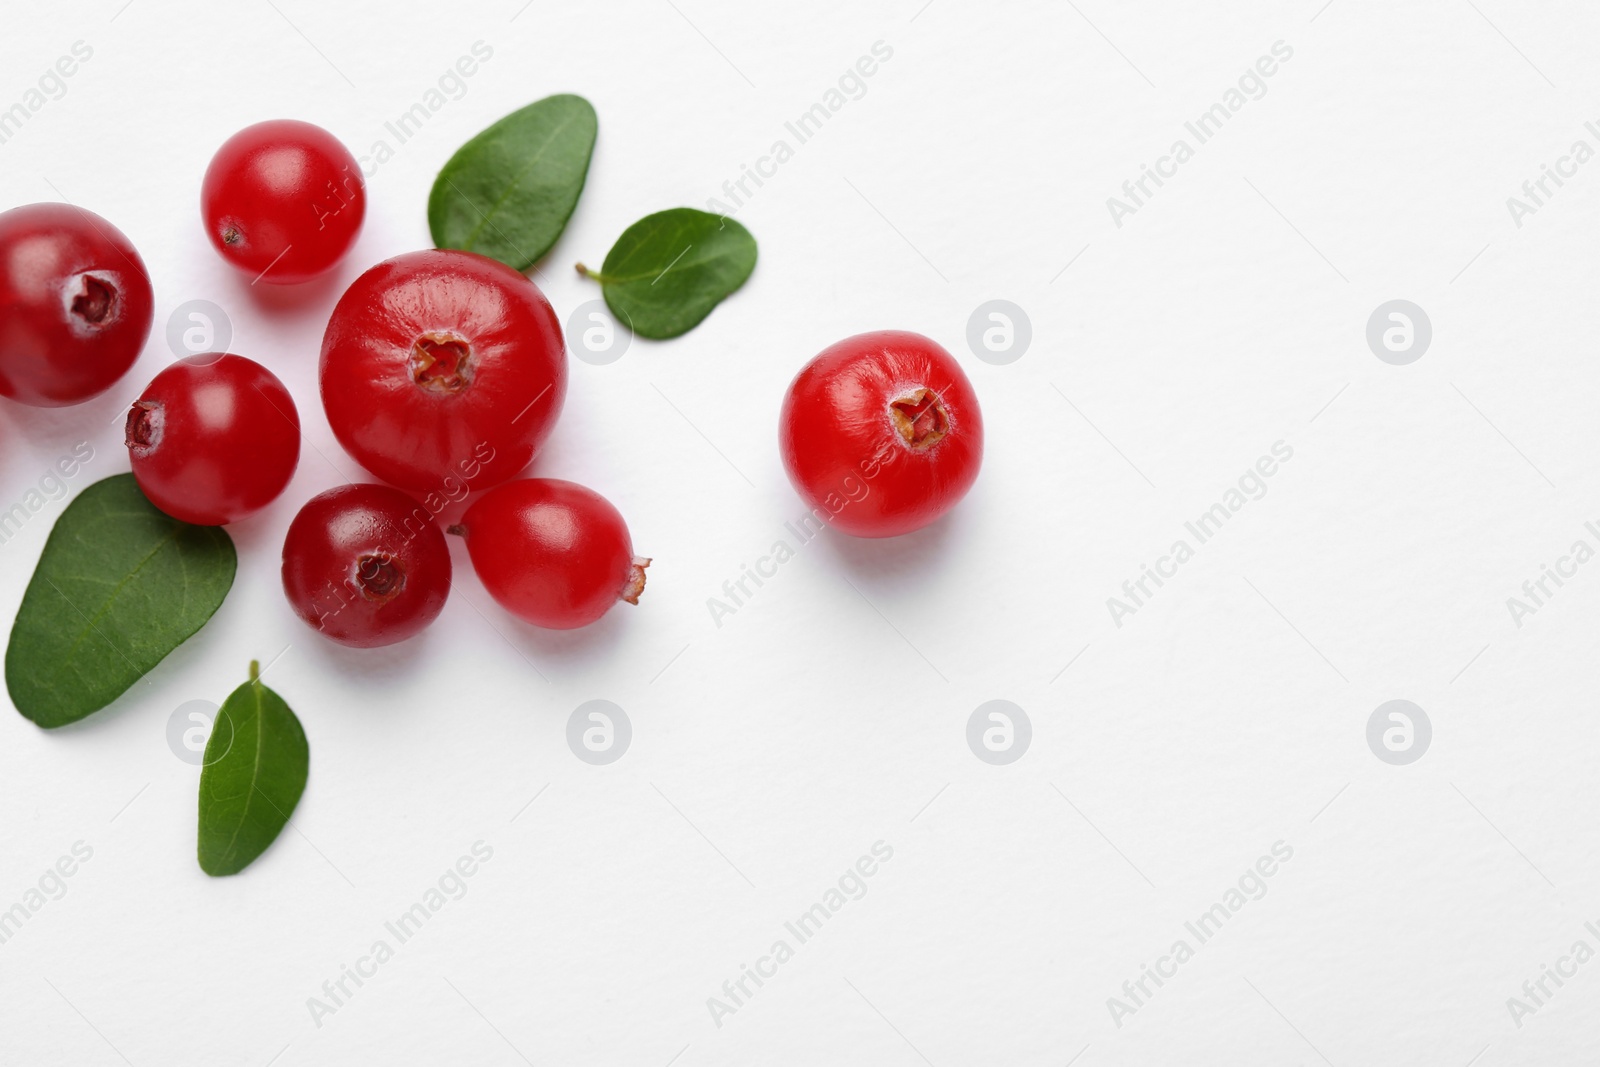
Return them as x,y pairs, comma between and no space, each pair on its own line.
514,183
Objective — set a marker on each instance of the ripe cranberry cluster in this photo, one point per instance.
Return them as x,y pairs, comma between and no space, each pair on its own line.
438,369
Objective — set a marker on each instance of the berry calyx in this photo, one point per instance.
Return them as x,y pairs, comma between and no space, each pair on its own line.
143,428
379,578
94,303
441,363
919,418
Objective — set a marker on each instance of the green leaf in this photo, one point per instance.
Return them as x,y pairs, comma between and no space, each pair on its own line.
668,270
509,191
120,585
255,770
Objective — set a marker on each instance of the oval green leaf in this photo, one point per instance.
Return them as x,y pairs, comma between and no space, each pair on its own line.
255,769
668,270
509,191
120,585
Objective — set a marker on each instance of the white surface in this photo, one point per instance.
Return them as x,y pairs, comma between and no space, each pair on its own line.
770,753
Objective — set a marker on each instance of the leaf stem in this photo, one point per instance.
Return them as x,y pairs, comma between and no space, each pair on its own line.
596,275
255,670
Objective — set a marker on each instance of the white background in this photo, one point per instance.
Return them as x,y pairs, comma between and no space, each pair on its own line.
830,712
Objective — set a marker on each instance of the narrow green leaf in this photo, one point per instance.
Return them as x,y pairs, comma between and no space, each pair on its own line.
255,770
120,585
668,270
509,191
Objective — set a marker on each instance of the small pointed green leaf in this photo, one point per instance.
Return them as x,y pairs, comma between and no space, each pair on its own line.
509,191
255,770
119,585
668,270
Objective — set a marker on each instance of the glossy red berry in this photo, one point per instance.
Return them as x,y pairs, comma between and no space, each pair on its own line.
213,438
283,201
441,368
75,304
881,433
365,565
551,552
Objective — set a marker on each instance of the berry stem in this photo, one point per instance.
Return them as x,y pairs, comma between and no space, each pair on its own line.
635,586
459,529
